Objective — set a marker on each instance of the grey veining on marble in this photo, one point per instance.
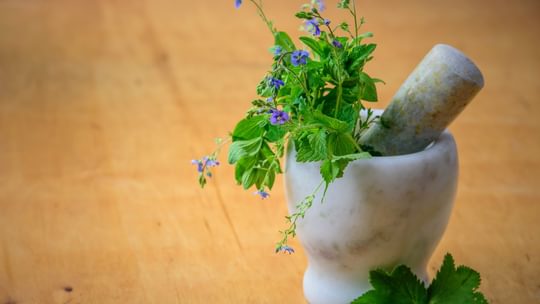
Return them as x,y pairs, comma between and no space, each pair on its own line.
438,90
384,211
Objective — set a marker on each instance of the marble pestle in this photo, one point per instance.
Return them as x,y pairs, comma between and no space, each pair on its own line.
438,90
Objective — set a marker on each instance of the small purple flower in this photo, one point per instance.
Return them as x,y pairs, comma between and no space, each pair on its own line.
327,21
237,3
276,83
285,249
210,162
200,165
278,117
320,4
278,50
263,194
206,162
270,99
337,44
313,27
299,57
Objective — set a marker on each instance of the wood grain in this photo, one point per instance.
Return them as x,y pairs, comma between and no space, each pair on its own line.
104,103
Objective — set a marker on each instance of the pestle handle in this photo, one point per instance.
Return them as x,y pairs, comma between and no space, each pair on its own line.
438,90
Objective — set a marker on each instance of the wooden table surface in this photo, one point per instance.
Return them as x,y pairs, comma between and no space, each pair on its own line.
104,103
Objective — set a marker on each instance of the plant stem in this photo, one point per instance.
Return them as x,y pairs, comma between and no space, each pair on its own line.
263,16
355,19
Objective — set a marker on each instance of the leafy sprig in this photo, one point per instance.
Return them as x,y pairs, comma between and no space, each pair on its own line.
451,285
311,98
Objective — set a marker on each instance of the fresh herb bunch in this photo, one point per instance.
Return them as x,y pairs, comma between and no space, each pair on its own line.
311,97
451,286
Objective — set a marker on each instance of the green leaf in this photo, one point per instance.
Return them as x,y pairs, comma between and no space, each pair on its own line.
343,4
311,147
329,171
358,56
360,37
453,285
341,144
275,132
354,156
400,286
313,45
242,148
369,91
304,15
243,165
330,122
249,178
250,127
283,40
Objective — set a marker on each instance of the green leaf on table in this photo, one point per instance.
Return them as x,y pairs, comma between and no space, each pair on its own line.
401,286
398,287
453,285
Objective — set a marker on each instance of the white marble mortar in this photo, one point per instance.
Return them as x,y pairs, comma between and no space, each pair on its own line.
385,211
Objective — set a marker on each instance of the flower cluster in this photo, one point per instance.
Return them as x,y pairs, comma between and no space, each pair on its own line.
311,97
204,167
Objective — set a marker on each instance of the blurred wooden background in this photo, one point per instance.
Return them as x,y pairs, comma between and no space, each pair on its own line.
104,103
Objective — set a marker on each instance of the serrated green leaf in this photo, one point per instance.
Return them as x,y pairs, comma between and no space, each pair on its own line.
400,286
341,144
329,171
311,147
453,285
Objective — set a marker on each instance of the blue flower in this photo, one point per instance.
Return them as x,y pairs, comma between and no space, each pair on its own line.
200,165
285,249
206,162
337,44
320,4
277,50
276,83
210,162
313,27
327,21
299,57
270,99
278,117
263,194
237,3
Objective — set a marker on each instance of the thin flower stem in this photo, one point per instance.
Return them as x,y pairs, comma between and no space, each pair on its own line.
260,11
301,210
